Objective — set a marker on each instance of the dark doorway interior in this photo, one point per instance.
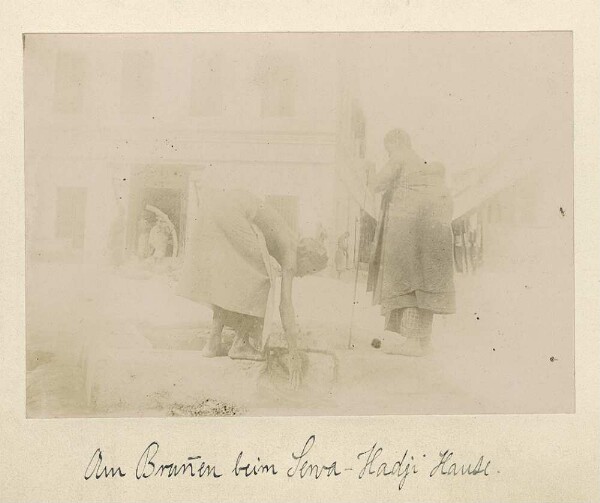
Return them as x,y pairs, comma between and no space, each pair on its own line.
164,188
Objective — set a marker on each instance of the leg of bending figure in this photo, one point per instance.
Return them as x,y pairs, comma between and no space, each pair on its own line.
242,348
213,346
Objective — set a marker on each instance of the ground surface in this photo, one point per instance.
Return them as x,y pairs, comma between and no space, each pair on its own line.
141,342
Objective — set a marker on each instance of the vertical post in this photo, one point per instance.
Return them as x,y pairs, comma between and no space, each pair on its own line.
356,263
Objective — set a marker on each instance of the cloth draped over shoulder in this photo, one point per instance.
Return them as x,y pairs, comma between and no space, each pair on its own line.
226,260
412,263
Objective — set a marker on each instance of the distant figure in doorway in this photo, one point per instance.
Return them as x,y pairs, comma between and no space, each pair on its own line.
411,269
228,266
341,254
159,240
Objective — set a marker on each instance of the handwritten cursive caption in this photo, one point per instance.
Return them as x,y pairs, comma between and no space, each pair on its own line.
303,464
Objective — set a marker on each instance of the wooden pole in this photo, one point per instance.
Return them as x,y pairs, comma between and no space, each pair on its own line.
356,266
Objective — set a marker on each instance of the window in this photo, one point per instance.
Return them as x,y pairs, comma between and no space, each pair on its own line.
358,129
207,86
70,214
278,81
137,82
69,81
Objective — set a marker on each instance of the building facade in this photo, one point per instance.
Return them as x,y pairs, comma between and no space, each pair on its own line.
117,124
517,213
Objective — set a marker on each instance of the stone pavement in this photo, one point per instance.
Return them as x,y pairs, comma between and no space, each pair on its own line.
124,344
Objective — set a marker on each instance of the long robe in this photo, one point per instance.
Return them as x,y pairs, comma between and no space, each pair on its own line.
226,262
411,264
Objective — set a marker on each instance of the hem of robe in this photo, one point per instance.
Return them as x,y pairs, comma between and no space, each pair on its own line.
206,301
437,302
419,327
234,229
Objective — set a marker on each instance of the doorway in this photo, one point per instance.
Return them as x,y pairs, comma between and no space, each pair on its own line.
157,190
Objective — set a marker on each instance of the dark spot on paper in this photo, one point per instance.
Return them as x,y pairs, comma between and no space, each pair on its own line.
553,359
562,212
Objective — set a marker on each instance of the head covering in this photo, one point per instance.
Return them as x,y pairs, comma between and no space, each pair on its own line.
313,254
397,136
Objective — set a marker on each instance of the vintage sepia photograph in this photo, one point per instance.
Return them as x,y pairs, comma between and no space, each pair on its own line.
287,224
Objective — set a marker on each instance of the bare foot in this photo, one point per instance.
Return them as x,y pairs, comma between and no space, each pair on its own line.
212,348
243,350
410,347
